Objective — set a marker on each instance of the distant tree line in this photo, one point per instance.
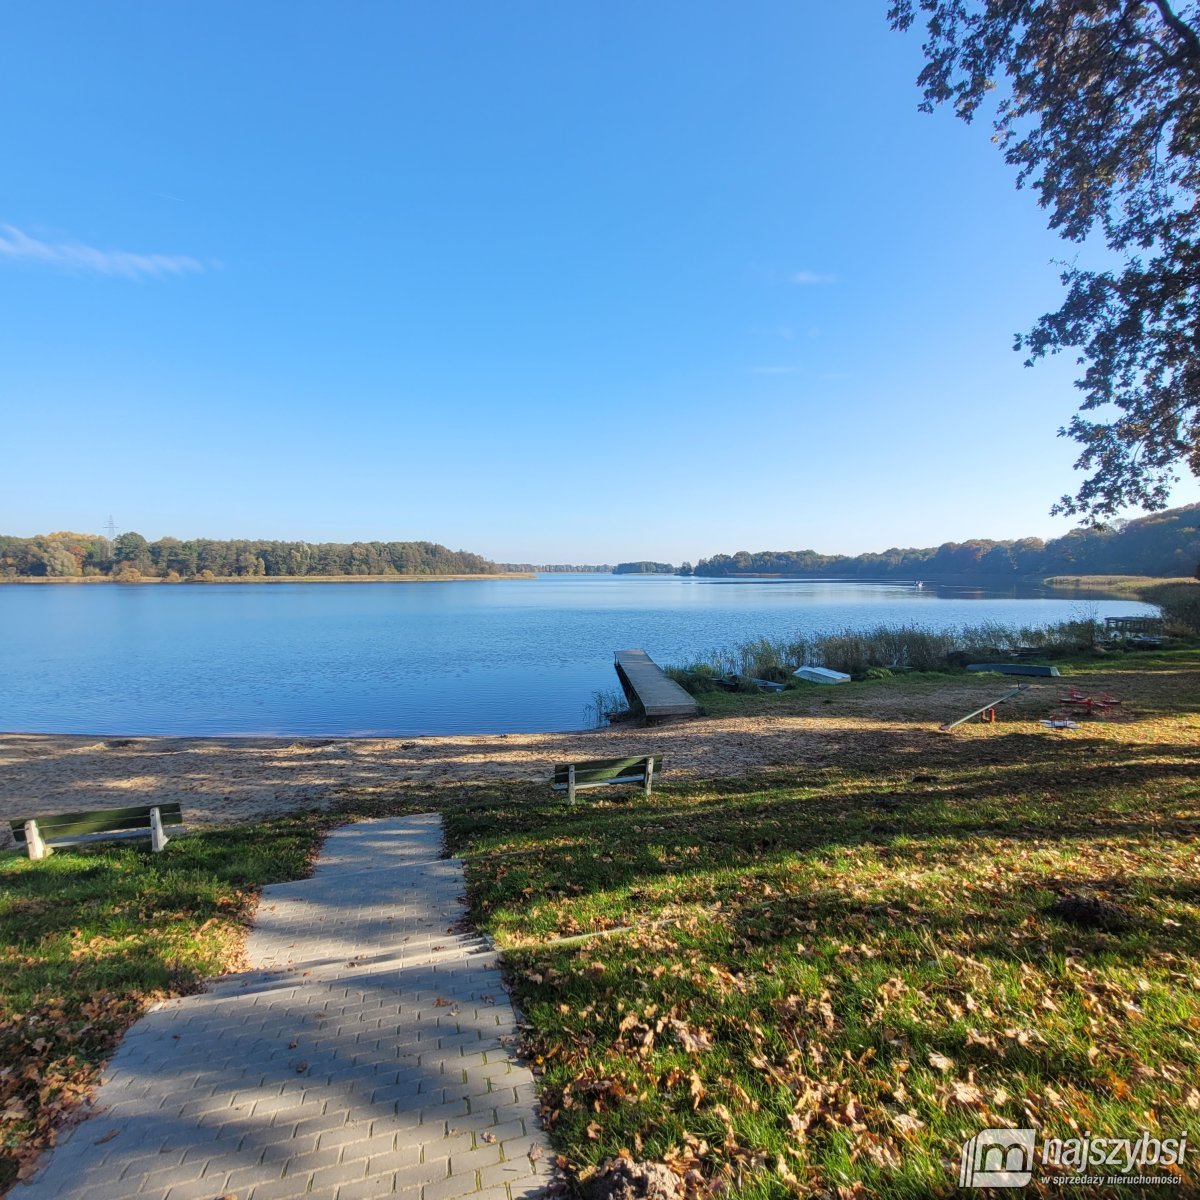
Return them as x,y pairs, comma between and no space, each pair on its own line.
130,556
559,568
643,568
1164,544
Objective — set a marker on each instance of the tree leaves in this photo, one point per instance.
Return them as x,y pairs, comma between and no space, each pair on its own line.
1101,117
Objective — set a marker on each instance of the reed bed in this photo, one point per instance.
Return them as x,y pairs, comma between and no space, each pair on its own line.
885,648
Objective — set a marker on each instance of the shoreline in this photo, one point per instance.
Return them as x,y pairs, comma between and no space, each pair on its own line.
230,780
152,579
1113,586
1118,585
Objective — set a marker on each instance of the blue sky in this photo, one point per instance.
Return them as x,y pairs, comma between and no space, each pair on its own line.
549,282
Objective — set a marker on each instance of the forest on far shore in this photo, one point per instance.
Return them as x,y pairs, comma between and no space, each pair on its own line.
130,557
1164,544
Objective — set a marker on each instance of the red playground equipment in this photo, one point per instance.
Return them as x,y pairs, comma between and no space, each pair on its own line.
1093,706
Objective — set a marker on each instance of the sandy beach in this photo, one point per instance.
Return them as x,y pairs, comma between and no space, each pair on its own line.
225,780
221,780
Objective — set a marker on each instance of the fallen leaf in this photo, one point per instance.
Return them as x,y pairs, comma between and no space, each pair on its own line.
107,1137
692,1040
940,1062
966,1094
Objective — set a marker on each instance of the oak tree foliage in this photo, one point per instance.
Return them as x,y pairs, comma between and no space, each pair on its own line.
1099,111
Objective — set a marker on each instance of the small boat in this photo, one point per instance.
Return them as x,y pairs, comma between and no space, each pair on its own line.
765,685
821,675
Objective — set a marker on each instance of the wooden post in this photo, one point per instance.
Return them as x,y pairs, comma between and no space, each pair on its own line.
571,784
649,773
158,839
33,841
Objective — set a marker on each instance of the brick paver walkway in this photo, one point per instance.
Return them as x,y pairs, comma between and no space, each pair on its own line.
368,1053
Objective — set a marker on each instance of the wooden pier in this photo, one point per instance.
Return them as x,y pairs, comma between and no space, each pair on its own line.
649,690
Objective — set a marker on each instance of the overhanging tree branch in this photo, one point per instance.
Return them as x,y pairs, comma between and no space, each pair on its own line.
1102,118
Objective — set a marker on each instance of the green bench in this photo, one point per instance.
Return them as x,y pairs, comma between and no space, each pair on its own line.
39,834
575,777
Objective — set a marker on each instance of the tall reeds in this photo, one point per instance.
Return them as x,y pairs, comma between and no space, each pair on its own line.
885,647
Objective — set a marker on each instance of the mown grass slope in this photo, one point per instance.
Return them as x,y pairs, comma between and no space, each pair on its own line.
834,976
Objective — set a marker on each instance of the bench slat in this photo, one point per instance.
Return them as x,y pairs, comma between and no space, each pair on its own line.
59,825
106,835
605,770
579,787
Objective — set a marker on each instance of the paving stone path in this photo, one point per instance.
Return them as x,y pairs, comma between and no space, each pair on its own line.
367,1053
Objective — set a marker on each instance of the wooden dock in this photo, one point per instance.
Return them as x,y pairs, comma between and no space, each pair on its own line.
649,690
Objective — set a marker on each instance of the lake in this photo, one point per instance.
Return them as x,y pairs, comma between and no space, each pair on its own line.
405,659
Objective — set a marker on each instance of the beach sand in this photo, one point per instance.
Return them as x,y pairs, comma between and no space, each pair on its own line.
228,780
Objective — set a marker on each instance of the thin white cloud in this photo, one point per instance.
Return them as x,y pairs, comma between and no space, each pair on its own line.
811,277
76,256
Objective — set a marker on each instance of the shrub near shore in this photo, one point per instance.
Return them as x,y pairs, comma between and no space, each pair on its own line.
1179,603
887,648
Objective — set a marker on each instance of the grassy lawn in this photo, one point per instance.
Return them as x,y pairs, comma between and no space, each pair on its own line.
836,972
836,975
90,937
1143,678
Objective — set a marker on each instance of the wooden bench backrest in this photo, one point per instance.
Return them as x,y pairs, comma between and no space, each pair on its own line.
106,820
604,770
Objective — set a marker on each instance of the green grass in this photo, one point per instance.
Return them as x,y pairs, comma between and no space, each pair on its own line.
90,937
835,976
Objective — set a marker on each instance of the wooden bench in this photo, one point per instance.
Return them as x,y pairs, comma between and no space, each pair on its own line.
575,777
38,834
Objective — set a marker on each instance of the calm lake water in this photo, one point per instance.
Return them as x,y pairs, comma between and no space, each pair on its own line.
494,656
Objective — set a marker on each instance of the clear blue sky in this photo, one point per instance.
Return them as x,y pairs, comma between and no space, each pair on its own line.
551,282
